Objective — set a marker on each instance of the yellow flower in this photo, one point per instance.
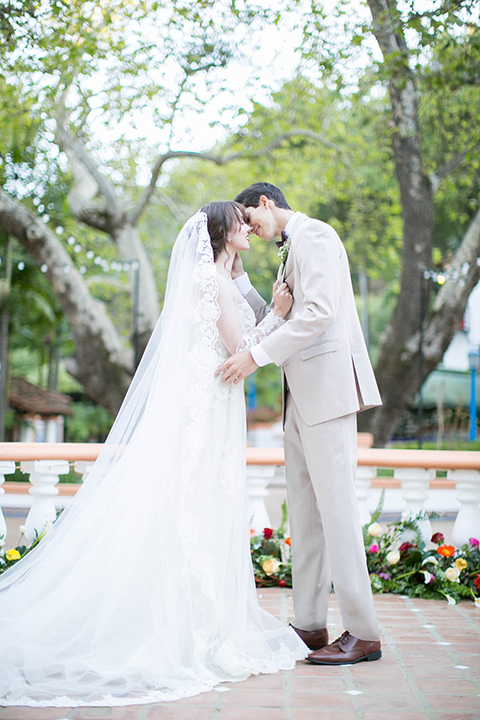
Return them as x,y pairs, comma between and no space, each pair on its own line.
271,566
13,554
375,529
461,564
452,574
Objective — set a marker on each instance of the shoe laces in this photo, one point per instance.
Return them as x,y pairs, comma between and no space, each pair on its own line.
343,639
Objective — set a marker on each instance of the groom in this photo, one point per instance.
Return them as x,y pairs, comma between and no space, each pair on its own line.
327,378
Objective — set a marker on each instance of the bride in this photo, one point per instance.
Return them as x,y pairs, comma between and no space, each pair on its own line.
143,591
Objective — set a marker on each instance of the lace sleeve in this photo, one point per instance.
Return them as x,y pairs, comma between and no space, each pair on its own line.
269,324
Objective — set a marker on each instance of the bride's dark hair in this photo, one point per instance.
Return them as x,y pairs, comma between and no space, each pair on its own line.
222,216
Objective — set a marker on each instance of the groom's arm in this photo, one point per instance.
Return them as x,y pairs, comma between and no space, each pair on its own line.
254,299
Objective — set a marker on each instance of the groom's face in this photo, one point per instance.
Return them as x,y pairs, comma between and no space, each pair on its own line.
262,220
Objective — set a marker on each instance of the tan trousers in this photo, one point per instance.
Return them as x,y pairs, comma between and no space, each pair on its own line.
326,535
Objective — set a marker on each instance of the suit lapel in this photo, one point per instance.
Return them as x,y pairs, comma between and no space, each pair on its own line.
282,272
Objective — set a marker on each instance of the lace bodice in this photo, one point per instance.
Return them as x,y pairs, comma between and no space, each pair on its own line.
252,334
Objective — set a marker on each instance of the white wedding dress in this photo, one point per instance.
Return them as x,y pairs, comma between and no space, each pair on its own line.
143,591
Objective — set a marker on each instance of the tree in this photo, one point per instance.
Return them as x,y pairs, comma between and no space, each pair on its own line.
103,68
398,362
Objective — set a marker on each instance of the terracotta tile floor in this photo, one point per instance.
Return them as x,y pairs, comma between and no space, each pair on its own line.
430,670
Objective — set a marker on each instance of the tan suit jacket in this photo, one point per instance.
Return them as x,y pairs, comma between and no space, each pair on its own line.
321,347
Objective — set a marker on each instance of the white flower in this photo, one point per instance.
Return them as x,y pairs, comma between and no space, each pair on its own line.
432,560
393,557
375,529
452,574
22,529
477,602
46,528
450,600
428,577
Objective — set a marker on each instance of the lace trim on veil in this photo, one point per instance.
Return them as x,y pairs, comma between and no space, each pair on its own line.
201,363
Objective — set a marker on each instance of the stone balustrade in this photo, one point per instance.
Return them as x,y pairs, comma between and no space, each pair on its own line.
415,475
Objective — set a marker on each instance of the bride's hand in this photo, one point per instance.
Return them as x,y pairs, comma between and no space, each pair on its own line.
282,299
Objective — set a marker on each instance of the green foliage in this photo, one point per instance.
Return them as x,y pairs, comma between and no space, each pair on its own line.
89,423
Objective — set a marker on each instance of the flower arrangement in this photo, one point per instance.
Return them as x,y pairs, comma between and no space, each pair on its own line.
399,563
396,558
12,556
271,556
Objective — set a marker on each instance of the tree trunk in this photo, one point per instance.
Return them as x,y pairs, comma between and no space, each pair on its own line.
130,247
441,325
107,214
4,320
396,368
100,361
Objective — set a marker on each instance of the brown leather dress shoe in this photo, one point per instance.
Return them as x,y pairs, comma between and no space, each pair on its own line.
346,650
314,639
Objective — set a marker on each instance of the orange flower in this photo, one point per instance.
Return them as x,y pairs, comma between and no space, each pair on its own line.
446,550
287,541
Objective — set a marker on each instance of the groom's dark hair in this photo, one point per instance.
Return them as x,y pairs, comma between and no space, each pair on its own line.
250,197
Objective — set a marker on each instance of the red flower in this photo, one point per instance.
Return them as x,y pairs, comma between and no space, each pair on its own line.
476,582
288,541
282,583
446,550
406,546
267,533
438,538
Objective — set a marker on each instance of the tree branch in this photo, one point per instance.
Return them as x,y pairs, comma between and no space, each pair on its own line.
143,201
448,167
383,27
74,149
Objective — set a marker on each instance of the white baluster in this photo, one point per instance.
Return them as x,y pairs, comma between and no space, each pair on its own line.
258,477
7,467
415,486
467,524
43,477
363,480
83,467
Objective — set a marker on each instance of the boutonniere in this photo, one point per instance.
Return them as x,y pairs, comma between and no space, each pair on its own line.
283,253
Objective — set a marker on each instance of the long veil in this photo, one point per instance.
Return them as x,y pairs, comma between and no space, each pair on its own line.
143,589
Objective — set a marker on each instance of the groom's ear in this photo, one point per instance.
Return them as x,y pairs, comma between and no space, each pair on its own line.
263,201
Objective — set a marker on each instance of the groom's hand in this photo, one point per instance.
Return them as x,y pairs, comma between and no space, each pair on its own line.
237,267
237,367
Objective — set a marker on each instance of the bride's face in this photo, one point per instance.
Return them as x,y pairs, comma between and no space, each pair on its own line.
238,235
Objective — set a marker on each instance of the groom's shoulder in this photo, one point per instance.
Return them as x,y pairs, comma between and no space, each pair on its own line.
317,227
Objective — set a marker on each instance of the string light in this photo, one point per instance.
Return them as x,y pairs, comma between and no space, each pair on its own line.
100,262
449,275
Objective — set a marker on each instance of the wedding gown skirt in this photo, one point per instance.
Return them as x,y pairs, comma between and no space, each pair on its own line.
143,591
